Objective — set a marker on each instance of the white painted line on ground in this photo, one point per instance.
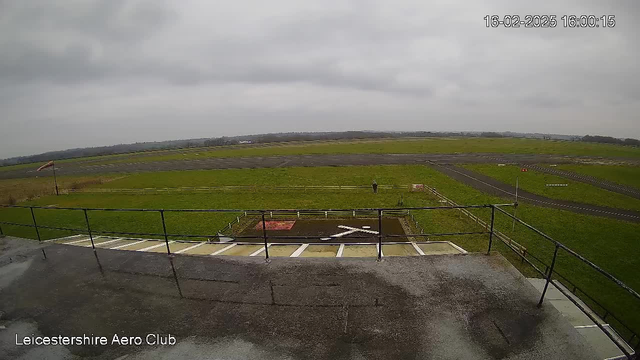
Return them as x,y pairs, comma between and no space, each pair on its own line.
189,248
223,249
155,246
107,242
620,357
125,245
299,251
344,233
356,229
257,252
588,326
415,246
340,250
457,247
77,241
64,238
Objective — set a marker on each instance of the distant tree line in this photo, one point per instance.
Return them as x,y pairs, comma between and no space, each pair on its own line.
287,137
491,135
611,140
221,141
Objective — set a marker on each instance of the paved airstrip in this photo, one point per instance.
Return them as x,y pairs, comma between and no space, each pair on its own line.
86,167
258,249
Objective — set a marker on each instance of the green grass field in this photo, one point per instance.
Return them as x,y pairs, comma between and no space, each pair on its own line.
405,146
609,243
29,188
535,182
354,175
621,174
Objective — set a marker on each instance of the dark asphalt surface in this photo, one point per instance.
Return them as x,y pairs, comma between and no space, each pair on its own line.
80,168
492,186
429,307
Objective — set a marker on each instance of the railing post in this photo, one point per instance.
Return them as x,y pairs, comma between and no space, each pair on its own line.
35,224
379,234
86,218
164,229
264,235
546,285
493,217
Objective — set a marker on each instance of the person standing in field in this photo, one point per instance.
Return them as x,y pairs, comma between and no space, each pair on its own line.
375,187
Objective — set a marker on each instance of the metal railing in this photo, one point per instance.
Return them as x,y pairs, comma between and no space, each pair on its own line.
550,271
234,188
378,213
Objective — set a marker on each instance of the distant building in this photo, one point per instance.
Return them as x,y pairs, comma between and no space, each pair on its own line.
244,142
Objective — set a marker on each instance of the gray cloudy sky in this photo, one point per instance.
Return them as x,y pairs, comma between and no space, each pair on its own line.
77,73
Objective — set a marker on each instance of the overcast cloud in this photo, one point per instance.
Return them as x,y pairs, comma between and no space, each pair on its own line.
78,73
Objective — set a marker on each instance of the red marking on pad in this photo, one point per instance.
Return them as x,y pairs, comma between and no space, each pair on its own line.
276,225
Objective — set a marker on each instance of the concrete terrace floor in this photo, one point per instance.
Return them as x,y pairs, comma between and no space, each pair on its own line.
428,307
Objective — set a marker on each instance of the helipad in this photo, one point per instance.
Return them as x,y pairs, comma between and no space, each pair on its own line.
333,249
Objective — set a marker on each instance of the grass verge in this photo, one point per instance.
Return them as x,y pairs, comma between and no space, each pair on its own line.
621,174
535,182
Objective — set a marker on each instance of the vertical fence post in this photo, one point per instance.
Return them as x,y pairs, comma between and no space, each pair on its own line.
35,225
546,285
264,235
493,217
86,218
164,229
379,234
1,232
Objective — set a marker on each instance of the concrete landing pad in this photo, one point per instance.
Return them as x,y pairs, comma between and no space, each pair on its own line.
137,245
241,250
360,251
399,250
282,250
421,307
71,239
320,251
438,248
206,249
179,246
